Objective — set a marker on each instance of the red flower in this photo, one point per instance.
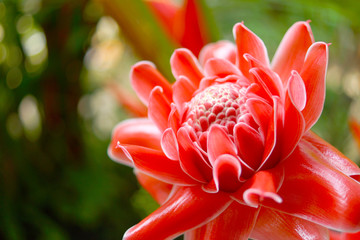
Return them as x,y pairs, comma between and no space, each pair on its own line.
227,149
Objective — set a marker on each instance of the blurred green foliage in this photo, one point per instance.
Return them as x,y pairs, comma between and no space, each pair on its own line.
56,179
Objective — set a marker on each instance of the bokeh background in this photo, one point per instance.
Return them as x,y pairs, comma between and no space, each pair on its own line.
64,68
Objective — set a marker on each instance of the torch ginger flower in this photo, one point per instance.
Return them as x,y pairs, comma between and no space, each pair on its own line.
227,149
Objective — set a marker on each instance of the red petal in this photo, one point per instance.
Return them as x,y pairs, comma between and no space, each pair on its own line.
191,26
159,108
207,82
136,131
220,67
183,92
144,77
316,192
297,91
117,154
271,224
249,144
215,150
253,61
261,111
158,190
263,185
236,222
222,49
184,63
227,172
272,142
156,164
313,73
269,80
174,118
169,144
344,236
294,123
333,156
334,235
187,208
218,135
191,160
248,42
291,52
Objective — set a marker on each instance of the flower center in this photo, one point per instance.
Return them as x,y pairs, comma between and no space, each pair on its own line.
218,104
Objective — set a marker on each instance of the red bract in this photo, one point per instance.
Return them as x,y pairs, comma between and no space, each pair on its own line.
227,149
355,130
184,24
344,236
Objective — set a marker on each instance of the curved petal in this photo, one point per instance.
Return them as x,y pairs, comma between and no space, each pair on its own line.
187,208
291,52
269,80
184,63
257,92
249,144
158,190
227,172
206,82
221,49
156,164
296,90
174,118
248,119
214,149
248,42
144,77
220,68
272,140
333,156
236,222
136,131
183,91
218,135
159,108
313,73
191,159
294,123
117,154
263,185
315,191
169,144
272,224
261,111
253,61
